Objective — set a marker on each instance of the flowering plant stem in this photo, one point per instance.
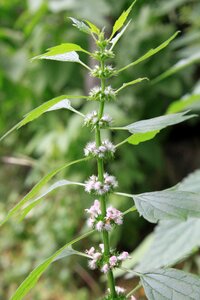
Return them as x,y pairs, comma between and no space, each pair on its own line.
100,167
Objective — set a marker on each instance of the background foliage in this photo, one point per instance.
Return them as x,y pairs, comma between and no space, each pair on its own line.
27,29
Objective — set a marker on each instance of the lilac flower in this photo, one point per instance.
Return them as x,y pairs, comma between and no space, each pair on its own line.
99,226
106,150
113,214
113,261
119,290
93,185
105,268
123,256
95,209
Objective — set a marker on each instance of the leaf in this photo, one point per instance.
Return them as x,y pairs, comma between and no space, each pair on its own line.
183,63
173,241
65,253
69,56
121,20
93,27
34,276
191,183
36,201
183,103
131,83
157,123
33,192
170,284
138,138
80,25
151,52
47,106
118,36
167,204
60,50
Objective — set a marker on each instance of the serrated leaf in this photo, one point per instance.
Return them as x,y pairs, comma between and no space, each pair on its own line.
182,104
93,27
138,138
118,36
80,25
170,284
69,56
173,241
150,52
34,276
131,83
36,201
167,204
157,123
37,112
121,20
60,50
37,188
183,63
190,183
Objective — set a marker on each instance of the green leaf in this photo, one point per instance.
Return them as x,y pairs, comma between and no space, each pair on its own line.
191,183
80,25
183,63
182,104
131,83
36,201
47,106
150,52
138,138
173,241
37,188
167,204
121,20
69,56
157,123
93,27
118,36
60,50
34,276
170,284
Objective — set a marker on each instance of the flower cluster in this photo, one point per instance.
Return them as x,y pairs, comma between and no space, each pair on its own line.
103,55
105,151
96,94
92,120
96,221
107,72
99,260
119,291
95,186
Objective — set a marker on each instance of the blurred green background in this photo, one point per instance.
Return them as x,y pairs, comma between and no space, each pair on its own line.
27,28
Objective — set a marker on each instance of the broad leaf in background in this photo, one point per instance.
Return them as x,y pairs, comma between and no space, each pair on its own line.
121,20
37,188
167,204
183,103
170,284
34,276
173,241
191,183
183,63
53,104
150,52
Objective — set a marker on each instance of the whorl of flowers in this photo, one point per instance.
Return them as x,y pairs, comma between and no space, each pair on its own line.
96,221
92,120
104,263
107,72
105,151
108,95
93,185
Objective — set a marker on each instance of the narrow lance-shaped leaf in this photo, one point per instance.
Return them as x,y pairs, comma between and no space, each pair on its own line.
131,83
36,201
93,27
170,284
60,50
118,36
37,188
47,106
121,20
34,276
167,204
150,52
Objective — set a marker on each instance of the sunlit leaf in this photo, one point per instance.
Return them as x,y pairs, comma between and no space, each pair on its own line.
138,138
167,204
93,27
118,36
121,20
68,56
34,276
170,284
47,106
150,52
37,188
183,103
80,25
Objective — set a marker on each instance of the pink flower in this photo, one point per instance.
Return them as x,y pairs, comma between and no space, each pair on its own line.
115,215
120,290
123,256
105,268
133,298
91,251
99,226
95,209
113,261
92,264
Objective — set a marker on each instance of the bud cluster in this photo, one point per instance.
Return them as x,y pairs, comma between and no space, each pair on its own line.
98,222
95,186
105,151
96,94
106,72
104,263
103,55
93,121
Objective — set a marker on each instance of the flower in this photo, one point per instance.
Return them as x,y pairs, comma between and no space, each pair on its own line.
92,120
93,185
133,298
123,256
105,151
119,290
114,215
107,72
105,268
113,261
